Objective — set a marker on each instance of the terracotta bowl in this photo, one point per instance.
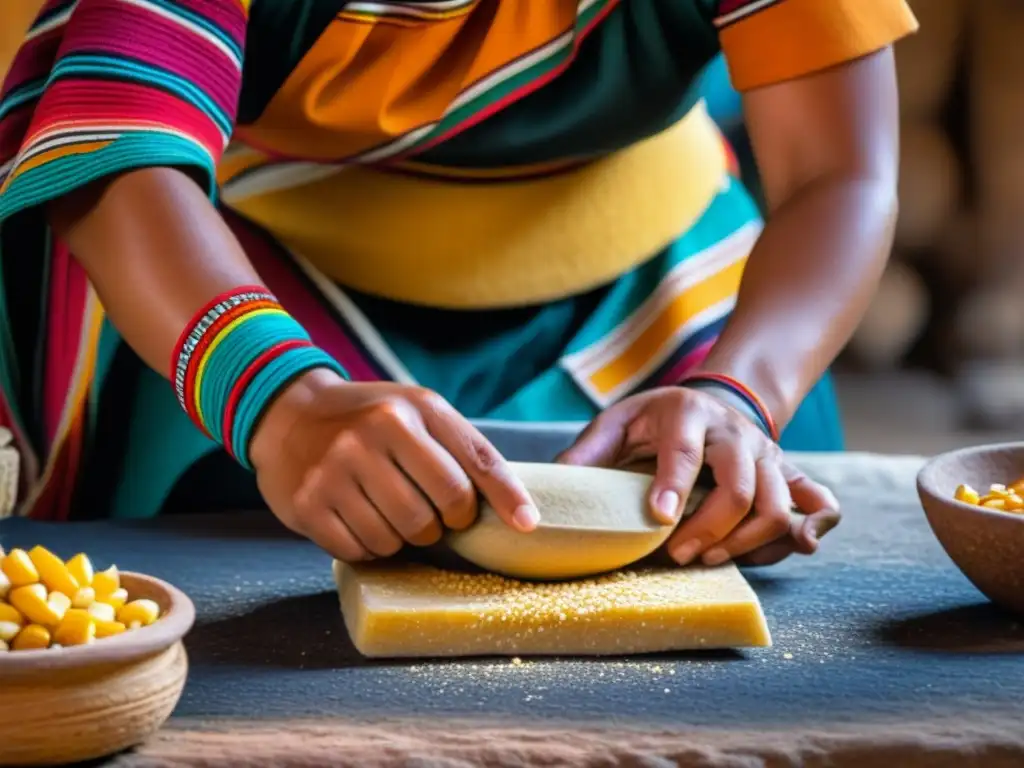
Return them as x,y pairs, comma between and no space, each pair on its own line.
988,546
84,702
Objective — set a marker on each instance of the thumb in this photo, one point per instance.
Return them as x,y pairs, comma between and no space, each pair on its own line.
599,444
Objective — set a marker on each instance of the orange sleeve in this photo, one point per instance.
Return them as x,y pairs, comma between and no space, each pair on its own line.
769,41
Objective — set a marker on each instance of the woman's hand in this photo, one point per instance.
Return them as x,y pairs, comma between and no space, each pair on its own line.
362,469
748,514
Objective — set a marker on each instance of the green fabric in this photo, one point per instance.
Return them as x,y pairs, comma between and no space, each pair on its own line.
25,316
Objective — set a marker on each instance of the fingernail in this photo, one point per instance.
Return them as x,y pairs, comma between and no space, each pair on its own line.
684,553
716,556
825,524
526,518
667,506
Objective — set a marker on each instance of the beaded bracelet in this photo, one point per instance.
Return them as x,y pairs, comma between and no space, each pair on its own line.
240,350
756,406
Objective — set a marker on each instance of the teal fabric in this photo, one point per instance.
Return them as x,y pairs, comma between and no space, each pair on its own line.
817,425
724,104
264,387
160,444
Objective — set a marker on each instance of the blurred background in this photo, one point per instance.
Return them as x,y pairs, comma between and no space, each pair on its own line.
939,360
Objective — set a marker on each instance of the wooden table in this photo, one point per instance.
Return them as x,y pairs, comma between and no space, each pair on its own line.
884,654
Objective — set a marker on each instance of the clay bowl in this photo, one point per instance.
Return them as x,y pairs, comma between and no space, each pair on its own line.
986,545
84,702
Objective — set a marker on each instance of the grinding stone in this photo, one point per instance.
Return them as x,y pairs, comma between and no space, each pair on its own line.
592,521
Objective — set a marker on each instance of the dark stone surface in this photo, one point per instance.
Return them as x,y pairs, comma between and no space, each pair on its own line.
879,626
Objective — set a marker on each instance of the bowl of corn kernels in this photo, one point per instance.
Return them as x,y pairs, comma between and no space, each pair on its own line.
974,501
91,661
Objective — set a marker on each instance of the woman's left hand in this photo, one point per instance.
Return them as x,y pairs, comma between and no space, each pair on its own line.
748,514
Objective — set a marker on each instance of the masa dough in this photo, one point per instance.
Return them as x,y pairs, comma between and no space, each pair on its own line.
408,611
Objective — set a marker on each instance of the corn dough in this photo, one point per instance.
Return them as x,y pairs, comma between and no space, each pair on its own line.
405,611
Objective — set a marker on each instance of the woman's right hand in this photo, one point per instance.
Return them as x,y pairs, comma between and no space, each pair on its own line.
364,468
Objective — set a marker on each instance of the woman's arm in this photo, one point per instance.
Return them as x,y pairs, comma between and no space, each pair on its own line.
155,249
827,149
826,141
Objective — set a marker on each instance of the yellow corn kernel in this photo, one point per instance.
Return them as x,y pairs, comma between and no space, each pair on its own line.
995,504
998,489
59,603
83,598
144,612
106,582
5,585
109,628
31,638
77,628
52,571
31,600
9,630
10,613
117,598
102,612
967,495
19,568
81,568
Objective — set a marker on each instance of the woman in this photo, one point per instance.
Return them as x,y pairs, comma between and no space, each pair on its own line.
353,226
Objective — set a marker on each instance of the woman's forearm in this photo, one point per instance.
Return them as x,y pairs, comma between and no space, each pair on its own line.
827,148
155,249
806,286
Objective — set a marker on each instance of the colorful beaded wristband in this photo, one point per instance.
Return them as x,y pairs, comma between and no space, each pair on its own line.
738,389
240,350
